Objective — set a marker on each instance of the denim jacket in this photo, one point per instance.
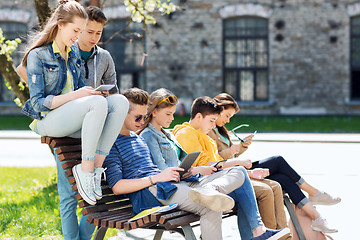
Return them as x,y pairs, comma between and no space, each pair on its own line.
162,151
47,75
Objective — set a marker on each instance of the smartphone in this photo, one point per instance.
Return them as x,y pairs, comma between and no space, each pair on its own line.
216,165
105,87
253,134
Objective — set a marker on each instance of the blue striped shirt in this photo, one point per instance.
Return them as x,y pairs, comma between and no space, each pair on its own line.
129,158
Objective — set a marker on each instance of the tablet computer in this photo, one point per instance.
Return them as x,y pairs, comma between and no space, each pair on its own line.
105,87
188,162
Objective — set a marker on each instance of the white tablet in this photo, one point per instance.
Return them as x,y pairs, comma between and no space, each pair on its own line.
188,162
105,87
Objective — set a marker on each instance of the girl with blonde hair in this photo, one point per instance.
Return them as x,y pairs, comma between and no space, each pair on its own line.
61,105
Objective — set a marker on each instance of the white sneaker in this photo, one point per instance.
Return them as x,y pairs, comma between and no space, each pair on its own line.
324,199
321,225
97,181
85,184
211,199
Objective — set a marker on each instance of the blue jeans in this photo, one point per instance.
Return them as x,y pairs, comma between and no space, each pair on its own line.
248,215
288,178
71,229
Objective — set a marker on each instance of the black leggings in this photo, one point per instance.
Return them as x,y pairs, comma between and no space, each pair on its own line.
284,174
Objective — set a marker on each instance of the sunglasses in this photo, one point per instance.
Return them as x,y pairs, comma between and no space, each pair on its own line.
170,99
138,118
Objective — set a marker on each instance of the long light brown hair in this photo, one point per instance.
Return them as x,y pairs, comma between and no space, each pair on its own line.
155,98
64,13
226,101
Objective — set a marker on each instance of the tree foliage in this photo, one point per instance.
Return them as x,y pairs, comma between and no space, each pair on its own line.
145,10
7,70
140,10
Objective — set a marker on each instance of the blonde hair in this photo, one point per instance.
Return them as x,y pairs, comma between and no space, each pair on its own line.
64,13
155,98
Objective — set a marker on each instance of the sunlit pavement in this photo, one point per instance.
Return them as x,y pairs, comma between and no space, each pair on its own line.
327,161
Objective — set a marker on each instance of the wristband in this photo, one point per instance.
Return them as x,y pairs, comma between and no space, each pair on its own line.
150,179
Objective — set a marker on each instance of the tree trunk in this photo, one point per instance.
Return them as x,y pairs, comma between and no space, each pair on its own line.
43,11
7,70
95,3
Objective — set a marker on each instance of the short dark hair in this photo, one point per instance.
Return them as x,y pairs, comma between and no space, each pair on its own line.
137,96
96,14
205,106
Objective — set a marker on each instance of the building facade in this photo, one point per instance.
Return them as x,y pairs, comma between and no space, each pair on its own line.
276,57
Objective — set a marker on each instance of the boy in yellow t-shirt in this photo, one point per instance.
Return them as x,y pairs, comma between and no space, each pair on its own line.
193,137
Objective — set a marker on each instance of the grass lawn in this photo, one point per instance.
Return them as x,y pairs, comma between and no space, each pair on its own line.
316,124
14,122
29,204
323,124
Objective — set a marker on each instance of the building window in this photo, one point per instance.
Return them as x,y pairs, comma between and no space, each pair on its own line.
245,58
126,48
355,59
12,30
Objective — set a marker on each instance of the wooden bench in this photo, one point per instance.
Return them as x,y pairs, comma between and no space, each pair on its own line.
114,211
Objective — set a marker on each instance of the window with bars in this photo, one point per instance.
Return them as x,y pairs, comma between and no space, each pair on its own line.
245,58
355,59
126,48
12,30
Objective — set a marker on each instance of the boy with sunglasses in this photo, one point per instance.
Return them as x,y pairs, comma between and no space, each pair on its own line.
130,170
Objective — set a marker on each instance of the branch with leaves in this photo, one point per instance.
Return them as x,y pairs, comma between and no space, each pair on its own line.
144,10
7,70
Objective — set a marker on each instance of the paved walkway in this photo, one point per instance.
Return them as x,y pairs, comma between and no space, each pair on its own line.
327,161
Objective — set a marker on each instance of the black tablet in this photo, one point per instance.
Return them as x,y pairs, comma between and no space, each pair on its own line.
188,162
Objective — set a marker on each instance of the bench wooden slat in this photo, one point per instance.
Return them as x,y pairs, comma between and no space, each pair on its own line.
43,139
106,207
181,221
114,215
65,149
70,156
57,142
113,223
172,215
68,172
130,225
105,199
70,164
118,213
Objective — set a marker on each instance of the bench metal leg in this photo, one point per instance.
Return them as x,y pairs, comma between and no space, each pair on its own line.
158,234
189,233
294,218
100,233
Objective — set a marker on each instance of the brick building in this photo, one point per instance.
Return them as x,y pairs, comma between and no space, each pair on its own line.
273,56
